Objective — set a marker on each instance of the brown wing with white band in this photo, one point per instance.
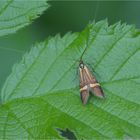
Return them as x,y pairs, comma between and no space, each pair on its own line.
95,87
88,83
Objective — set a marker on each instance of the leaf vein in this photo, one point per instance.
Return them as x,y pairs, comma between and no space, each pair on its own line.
5,7
27,70
110,48
46,73
18,120
20,16
123,64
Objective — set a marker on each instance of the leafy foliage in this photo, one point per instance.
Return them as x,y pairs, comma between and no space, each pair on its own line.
16,14
41,96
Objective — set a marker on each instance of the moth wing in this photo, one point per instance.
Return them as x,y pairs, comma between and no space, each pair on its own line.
84,96
97,91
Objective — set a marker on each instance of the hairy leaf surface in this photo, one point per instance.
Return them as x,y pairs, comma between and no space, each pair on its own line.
41,96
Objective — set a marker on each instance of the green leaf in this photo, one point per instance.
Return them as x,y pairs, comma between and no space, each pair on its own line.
41,96
15,14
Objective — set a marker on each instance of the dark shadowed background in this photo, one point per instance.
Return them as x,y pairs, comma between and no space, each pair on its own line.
62,17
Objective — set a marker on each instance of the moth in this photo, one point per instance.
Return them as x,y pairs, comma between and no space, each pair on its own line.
88,83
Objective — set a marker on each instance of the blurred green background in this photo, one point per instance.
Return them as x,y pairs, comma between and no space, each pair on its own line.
62,17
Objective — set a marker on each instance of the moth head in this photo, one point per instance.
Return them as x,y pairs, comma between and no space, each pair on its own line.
81,64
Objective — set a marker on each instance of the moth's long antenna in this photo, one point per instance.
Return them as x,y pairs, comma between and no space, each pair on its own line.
85,48
95,15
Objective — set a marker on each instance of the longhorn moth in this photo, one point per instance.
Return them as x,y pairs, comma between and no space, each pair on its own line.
88,83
